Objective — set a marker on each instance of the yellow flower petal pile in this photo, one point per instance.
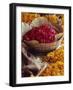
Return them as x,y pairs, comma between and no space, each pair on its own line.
56,63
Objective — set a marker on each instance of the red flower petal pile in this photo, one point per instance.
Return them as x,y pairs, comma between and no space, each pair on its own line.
43,34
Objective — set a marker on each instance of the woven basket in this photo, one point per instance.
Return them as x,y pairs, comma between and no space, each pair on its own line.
43,47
